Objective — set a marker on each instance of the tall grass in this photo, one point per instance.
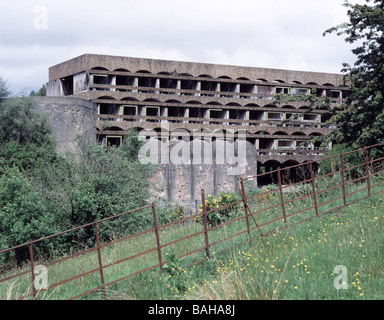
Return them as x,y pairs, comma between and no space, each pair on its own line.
299,263
292,263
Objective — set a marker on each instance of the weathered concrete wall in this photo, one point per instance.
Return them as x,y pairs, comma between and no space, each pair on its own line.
180,180
54,88
69,118
183,182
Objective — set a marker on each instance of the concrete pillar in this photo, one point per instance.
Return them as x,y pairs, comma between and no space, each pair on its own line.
246,117
55,89
218,88
178,87
141,111
165,114
157,86
113,83
198,88
186,115
237,90
135,84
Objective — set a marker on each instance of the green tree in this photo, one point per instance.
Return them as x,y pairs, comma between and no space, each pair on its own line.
42,192
313,102
25,135
362,121
25,144
97,183
4,91
108,182
24,215
42,91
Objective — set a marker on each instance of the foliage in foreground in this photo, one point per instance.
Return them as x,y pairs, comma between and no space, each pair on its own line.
213,203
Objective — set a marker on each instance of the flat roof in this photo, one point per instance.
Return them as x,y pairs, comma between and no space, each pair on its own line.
88,62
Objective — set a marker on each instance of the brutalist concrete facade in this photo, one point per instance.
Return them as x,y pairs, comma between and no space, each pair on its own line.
184,101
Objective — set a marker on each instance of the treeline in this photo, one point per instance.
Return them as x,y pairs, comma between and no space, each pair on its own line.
43,192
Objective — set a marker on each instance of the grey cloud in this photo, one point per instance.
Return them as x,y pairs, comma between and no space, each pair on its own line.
276,33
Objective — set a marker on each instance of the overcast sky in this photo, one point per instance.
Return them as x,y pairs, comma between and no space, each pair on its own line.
35,35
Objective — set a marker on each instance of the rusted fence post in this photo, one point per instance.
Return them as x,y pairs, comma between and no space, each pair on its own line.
343,178
313,187
245,209
205,220
99,257
32,268
157,236
367,171
281,194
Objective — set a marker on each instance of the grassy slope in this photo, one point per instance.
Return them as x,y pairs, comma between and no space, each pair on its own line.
295,263
299,263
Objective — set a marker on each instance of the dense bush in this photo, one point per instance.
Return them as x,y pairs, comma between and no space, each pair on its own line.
25,135
218,214
69,192
42,192
95,184
24,214
352,159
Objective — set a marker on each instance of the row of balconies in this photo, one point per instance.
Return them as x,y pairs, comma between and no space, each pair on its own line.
221,87
264,146
114,112
212,121
213,89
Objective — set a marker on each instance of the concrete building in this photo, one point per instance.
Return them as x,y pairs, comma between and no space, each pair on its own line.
186,101
69,117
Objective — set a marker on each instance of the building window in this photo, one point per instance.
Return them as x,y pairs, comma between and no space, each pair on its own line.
282,90
284,144
113,141
274,116
297,91
310,117
152,112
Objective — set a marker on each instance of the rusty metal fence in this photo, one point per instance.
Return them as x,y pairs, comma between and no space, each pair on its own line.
297,194
320,187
